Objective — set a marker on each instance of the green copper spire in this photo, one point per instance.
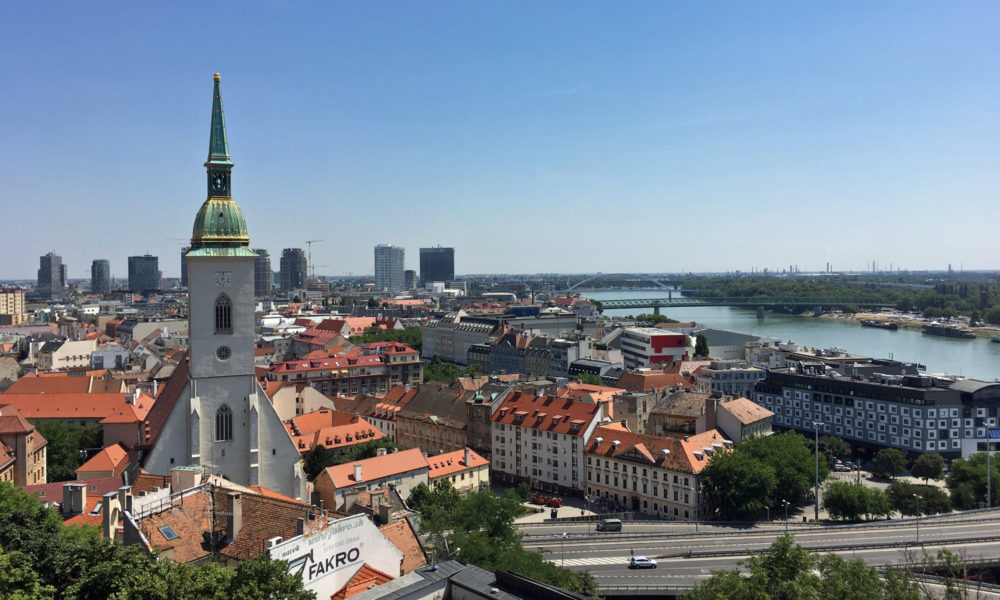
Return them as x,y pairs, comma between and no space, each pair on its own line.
219,228
218,145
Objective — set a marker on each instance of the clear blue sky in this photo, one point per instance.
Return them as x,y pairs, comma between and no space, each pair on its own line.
531,136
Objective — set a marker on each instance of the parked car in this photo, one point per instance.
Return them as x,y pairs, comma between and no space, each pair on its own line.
609,525
641,562
538,499
554,502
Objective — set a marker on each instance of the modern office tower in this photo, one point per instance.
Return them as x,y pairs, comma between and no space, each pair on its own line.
100,276
262,273
410,279
143,274
51,274
184,266
437,264
293,269
389,261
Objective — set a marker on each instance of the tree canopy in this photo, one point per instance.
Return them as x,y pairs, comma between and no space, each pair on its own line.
438,370
66,444
889,461
701,346
410,336
967,481
321,457
40,558
848,501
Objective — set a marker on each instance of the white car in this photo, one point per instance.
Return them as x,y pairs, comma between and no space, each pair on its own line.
641,562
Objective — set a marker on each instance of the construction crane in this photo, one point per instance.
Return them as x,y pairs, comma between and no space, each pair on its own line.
310,258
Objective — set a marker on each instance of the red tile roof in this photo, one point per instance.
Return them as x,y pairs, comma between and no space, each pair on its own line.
74,406
681,455
401,533
453,462
318,419
363,580
113,458
746,411
548,413
377,467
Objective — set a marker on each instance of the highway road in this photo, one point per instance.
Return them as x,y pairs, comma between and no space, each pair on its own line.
686,557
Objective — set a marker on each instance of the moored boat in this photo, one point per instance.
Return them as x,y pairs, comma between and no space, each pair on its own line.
879,324
948,330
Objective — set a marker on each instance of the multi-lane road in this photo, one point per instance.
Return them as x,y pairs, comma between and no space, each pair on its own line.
686,557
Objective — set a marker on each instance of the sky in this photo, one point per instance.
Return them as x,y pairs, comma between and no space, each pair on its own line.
533,137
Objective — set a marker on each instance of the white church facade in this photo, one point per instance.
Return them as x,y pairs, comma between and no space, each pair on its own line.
216,416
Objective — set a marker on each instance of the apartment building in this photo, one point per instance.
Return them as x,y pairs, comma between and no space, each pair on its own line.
369,369
732,377
649,346
656,476
11,307
883,404
540,440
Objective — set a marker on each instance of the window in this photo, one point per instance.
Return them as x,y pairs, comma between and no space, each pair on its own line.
223,424
168,532
223,314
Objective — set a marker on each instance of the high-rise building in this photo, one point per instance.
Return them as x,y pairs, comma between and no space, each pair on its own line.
100,276
184,266
51,274
143,274
215,416
437,264
409,279
389,266
293,269
262,273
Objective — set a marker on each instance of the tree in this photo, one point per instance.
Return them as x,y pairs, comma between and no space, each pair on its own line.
914,500
372,302
410,336
700,346
793,463
889,461
738,485
524,491
655,319
845,501
928,466
787,571
66,444
967,481
833,447
590,379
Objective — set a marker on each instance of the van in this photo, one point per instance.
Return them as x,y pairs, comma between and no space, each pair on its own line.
609,525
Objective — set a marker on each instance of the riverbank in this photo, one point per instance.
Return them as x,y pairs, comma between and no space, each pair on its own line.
907,321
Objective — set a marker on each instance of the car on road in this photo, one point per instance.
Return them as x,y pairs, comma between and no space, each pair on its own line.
609,525
641,562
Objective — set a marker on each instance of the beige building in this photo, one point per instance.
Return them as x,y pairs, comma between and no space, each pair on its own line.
338,486
11,307
66,355
466,470
22,449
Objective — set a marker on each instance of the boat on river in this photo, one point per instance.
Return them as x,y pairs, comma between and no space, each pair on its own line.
995,339
948,330
892,325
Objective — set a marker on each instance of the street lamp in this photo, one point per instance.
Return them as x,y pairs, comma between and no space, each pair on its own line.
562,540
694,498
816,425
785,502
917,498
991,434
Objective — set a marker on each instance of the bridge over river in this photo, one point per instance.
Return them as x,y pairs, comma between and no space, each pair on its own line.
759,302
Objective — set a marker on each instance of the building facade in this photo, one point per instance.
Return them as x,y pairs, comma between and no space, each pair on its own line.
143,274
374,368
731,377
11,307
100,276
213,413
541,440
883,406
262,277
51,274
293,269
437,264
389,266
649,346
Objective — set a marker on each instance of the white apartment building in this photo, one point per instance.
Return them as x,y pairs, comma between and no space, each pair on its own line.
731,377
650,347
540,440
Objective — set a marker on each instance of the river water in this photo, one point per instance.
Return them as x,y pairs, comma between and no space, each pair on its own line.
978,358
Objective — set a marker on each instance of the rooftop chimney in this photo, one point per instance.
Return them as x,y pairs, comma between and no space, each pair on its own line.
467,457
234,515
74,498
357,473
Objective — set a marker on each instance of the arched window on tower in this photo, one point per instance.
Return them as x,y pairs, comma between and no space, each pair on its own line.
223,424
223,314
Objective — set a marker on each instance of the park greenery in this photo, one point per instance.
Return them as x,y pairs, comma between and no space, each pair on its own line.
40,558
976,297
654,319
928,466
914,500
321,457
590,379
787,571
446,372
478,528
66,447
889,462
409,335
850,502
761,473
701,346
967,481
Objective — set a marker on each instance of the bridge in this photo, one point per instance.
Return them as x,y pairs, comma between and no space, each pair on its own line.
758,302
659,283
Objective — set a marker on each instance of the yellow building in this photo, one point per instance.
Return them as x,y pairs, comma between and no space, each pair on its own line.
11,307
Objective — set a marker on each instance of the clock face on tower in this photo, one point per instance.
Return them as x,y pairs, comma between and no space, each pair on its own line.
223,278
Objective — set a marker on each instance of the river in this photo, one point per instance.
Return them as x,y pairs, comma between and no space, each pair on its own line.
978,358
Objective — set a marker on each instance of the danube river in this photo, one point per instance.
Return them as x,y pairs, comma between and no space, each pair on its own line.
978,358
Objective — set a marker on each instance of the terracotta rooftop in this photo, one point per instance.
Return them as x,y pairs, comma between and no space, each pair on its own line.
453,462
647,381
74,406
378,467
685,456
112,458
363,580
318,419
548,413
746,411
401,533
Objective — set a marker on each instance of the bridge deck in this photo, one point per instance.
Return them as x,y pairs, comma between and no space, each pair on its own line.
689,301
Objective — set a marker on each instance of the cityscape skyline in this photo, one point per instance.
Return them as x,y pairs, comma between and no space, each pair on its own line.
875,135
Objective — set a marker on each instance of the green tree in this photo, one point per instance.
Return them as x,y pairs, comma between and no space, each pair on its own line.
655,319
834,447
788,571
845,501
700,346
793,463
372,302
524,491
66,445
262,578
889,461
410,336
18,581
967,481
928,466
590,379
737,485
316,460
